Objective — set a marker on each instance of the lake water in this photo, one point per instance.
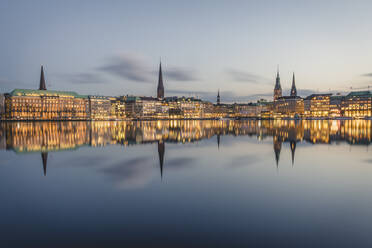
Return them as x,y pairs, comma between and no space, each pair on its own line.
186,184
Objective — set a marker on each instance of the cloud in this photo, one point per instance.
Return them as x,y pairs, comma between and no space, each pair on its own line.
245,77
135,68
84,78
131,174
180,74
367,75
128,66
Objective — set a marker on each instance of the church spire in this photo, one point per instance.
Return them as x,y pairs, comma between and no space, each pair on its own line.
293,89
278,87
160,92
42,85
218,97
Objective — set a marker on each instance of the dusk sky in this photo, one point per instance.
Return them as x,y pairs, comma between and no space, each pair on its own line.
114,47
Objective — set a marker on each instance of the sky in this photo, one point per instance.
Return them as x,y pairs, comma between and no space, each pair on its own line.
114,47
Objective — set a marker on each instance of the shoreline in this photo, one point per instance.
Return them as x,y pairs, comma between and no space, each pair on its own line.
191,119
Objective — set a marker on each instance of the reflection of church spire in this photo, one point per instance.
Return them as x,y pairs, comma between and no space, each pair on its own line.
218,141
161,150
277,148
293,149
44,157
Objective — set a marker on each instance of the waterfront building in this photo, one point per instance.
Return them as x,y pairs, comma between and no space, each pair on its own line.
278,87
2,106
100,107
145,107
208,109
289,106
335,106
357,104
317,105
185,107
43,104
23,104
118,107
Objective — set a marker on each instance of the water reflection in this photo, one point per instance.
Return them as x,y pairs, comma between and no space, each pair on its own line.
45,137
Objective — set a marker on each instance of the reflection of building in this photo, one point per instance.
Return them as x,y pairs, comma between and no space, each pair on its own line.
277,148
317,105
44,158
46,137
161,151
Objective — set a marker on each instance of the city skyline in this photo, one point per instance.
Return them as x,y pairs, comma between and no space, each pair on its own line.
236,49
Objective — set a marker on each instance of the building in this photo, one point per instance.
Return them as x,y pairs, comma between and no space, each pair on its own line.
24,104
357,104
278,87
287,106
2,106
335,106
317,105
118,107
145,107
100,107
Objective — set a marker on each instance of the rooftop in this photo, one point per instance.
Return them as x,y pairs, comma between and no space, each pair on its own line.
28,92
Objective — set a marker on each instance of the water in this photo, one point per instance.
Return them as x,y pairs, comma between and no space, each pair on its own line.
186,184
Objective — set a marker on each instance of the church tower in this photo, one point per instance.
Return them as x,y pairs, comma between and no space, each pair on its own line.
278,87
160,92
42,85
293,89
218,97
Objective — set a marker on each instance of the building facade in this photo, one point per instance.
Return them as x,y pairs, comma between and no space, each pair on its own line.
317,105
357,104
22,104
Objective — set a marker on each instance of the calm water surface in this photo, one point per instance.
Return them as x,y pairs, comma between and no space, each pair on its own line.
186,184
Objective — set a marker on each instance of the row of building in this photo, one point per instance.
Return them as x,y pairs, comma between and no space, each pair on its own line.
353,105
43,104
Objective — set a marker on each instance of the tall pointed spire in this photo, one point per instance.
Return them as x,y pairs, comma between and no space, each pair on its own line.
293,89
42,85
218,97
278,87
160,92
44,158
